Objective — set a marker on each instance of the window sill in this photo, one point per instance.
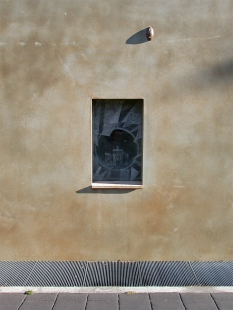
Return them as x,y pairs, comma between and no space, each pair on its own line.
117,185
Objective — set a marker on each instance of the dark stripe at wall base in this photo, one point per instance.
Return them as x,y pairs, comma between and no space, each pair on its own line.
115,273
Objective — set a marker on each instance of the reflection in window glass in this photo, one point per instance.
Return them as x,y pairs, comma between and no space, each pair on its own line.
117,140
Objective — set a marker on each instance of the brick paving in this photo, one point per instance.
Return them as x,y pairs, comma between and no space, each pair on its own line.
114,301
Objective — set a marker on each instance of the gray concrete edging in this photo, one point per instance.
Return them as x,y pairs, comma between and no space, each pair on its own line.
152,289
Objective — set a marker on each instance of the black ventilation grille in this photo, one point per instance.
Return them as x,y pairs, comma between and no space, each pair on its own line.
214,273
115,273
15,273
167,274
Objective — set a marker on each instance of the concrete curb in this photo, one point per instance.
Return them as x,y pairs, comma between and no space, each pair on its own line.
118,290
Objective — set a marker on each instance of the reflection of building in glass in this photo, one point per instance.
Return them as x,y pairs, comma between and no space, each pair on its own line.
118,158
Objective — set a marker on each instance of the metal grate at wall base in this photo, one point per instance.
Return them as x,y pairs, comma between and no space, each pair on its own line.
115,273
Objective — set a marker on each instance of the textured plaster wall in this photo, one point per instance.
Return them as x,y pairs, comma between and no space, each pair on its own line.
54,57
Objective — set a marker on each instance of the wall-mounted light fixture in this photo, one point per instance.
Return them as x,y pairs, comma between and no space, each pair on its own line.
149,33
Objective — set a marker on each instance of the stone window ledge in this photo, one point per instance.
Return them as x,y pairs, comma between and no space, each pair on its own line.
117,185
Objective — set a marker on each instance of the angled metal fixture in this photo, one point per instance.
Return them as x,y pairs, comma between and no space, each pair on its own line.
149,33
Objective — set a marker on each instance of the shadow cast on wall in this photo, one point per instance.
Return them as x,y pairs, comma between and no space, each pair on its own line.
199,80
223,70
90,190
138,38
215,75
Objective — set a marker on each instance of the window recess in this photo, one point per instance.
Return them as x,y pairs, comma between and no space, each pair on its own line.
117,139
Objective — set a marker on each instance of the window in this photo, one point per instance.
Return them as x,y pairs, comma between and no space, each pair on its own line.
117,143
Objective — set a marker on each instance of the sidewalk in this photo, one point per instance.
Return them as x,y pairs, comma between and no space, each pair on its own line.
114,301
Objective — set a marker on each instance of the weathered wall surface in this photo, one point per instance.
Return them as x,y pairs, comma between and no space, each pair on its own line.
54,57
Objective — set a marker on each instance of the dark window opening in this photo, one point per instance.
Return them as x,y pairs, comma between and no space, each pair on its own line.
117,140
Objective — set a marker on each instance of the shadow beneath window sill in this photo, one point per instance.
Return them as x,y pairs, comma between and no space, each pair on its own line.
90,190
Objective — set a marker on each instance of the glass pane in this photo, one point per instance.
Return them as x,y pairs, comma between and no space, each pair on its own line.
117,140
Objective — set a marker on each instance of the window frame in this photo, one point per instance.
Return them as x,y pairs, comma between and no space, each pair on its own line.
116,184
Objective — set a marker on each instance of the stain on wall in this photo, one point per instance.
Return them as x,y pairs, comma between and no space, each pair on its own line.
54,58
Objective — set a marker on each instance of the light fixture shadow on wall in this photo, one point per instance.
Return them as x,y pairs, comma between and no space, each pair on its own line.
139,37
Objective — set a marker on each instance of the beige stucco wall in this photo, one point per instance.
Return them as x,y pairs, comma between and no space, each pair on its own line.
54,57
